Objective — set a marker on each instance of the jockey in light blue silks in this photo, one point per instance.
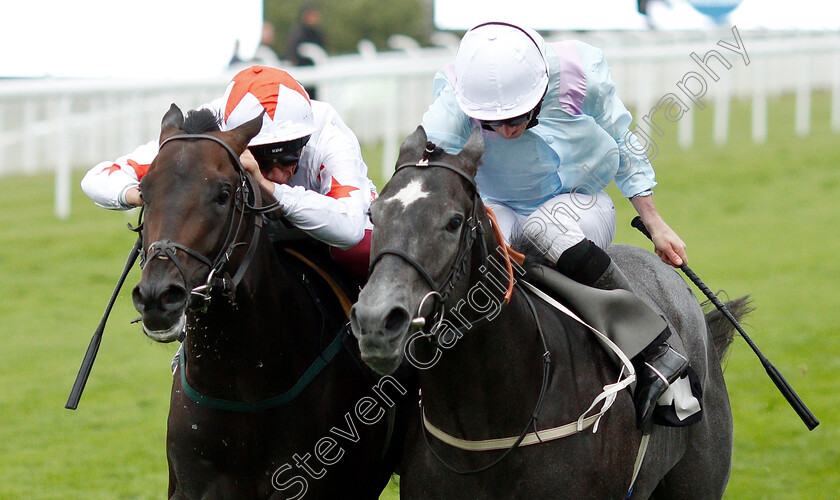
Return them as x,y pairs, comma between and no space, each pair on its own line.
555,135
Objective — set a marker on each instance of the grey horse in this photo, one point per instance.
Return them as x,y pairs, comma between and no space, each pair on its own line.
506,369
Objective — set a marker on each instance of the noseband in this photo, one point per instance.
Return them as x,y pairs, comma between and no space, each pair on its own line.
246,199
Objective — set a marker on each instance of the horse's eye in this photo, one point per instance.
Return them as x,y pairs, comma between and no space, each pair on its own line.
454,223
224,196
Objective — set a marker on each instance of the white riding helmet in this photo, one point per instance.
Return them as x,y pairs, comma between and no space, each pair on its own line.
288,110
501,71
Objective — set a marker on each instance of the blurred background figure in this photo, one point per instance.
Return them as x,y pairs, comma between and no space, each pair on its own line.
650,9
265,54
307,31
235,60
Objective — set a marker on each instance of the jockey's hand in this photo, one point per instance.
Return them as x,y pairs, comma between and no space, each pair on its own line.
133,196
669,247
249,163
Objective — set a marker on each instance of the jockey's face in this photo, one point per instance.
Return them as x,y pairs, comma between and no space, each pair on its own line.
281,174
510,131
512,128
279,161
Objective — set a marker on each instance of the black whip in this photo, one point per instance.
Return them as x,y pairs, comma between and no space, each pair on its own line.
784,387
93,347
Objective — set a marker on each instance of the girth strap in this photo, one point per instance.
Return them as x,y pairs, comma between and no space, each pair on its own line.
504,443
627,375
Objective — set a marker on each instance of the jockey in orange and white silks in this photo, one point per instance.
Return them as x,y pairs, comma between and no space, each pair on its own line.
304,154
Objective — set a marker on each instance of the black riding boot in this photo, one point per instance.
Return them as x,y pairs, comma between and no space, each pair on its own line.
657,365
613,279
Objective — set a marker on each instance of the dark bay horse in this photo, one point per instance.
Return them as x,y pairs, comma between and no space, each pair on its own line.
268,401
485,374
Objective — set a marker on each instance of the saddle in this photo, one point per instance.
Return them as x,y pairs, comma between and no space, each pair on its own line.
619,315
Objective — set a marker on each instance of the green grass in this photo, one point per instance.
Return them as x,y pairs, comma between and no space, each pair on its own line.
758,219
762,219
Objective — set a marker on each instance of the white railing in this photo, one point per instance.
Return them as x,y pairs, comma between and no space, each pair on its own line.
57,125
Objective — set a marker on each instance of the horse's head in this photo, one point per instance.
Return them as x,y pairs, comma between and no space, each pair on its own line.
194,198
425,221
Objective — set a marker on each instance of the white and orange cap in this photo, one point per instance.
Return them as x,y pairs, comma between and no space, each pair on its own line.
288,111
501,71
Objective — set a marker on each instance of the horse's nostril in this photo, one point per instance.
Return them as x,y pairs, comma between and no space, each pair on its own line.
137,298
173,297
379,321
354,323
396,320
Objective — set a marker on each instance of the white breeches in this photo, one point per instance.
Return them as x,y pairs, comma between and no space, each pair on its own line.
561,222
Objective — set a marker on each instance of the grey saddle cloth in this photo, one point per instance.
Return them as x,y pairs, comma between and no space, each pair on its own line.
620,315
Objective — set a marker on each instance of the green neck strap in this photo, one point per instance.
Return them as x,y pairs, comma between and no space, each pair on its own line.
279,400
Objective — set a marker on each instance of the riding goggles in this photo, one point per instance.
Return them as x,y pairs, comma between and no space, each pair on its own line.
285,154
510,122
530,117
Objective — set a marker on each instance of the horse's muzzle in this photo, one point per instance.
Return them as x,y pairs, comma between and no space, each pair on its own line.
162,307
381,330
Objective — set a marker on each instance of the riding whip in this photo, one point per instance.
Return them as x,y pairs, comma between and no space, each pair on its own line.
93,347
784,387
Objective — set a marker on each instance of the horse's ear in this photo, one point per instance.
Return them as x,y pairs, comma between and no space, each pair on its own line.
239,137
471,154
412,145
172,122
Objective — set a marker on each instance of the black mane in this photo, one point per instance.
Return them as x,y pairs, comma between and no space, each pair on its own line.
200,121
533,255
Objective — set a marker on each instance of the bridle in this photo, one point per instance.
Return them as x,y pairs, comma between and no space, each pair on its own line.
473,230
247,199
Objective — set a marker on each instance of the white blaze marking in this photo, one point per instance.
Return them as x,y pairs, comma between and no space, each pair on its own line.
411,193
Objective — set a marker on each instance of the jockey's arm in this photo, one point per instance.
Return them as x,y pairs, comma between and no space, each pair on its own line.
115,184
334,207
635,177
337,222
